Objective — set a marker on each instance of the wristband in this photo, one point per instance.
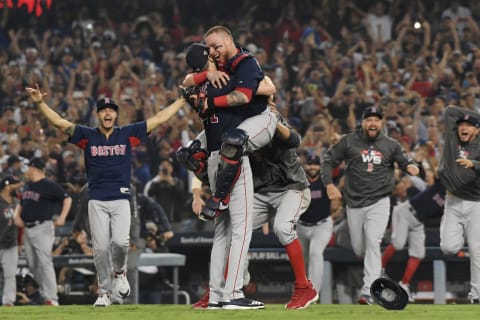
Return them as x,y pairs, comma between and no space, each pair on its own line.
221,101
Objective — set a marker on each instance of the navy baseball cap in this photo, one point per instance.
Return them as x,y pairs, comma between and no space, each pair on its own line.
106,103
372,111
313,159
7,181
470,119
197,56
37,162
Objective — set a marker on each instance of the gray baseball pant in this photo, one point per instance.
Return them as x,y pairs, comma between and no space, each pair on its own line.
110,228
367,226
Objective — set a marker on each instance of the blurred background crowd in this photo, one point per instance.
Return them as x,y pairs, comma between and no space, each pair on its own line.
329,59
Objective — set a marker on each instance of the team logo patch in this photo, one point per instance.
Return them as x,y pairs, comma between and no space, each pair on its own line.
462,153
371,156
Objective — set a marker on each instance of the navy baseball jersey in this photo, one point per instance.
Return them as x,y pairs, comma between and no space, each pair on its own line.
430,202
40,200
108,161
245,72
222,119
319,208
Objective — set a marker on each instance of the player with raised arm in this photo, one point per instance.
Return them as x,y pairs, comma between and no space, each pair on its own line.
108,160
459,172
232,129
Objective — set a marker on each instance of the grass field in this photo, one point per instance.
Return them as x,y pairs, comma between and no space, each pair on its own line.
272,312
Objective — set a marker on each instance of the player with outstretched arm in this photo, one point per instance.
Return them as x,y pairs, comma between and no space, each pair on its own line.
108,161
459,172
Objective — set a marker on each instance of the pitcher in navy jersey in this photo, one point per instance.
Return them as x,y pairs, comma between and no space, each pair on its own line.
108,161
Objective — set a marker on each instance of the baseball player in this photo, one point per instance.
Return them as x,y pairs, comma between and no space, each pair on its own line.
369,158
34,212
240,75
459,172
8,238
228,136
407,224
108,161
281,187
315,225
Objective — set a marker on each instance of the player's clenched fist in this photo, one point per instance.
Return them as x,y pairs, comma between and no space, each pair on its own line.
333,192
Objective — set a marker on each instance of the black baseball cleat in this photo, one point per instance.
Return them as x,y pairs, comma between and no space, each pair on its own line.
215,305
243,304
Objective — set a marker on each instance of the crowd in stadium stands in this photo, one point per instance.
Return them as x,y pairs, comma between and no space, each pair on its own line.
328,59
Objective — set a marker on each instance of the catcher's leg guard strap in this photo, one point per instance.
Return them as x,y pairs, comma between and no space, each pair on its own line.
234,143
194,158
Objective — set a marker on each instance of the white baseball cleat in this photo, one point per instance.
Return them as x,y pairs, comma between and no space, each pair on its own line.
103,300
121,285
406,287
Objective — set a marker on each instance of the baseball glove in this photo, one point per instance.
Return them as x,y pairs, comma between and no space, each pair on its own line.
388,294
194,97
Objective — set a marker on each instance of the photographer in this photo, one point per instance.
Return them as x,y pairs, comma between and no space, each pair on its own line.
151,277
76,243
167,190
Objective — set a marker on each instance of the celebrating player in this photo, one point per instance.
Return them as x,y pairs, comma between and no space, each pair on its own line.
238,78
281,187
235,119
108,157
459,172
369,180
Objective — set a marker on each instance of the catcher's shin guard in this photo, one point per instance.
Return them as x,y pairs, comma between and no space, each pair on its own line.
234,143
233,147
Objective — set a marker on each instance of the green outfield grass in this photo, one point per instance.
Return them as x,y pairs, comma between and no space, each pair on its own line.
272,312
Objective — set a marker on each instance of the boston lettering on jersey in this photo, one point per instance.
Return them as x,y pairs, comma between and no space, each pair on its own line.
116,150
30,195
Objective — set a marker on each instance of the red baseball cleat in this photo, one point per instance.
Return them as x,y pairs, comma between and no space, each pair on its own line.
365,300
203,302
302,297
51,303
